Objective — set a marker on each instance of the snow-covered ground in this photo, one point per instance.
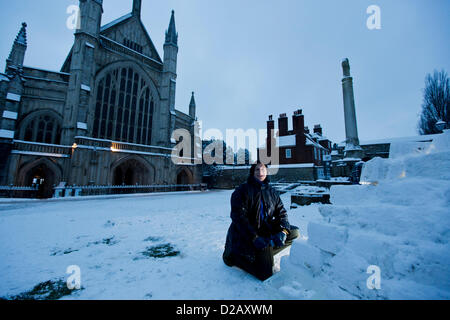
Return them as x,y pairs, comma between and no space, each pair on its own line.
169,246
106,238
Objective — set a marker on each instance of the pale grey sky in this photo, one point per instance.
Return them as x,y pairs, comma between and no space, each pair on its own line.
247,59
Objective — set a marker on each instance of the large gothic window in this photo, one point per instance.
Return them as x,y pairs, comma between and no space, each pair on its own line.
43,128
124,107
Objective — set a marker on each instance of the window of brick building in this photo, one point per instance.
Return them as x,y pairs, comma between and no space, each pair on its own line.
288,154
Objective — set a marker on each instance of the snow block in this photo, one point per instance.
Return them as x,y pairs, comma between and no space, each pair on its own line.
349,272
327,237
440,142
407,222
375,249
409,191
351,195
427,264
374,170
432,165
307,256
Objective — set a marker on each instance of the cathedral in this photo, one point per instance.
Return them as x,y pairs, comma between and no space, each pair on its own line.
106,118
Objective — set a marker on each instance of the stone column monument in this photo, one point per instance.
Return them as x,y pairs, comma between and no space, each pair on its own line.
352,149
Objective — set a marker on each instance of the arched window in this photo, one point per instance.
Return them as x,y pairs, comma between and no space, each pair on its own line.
43,128
124,107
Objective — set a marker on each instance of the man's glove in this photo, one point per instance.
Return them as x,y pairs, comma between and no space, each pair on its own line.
261,243
279,239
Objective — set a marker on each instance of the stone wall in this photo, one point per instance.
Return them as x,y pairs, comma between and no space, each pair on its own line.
376,150
94,161
341,170
229,178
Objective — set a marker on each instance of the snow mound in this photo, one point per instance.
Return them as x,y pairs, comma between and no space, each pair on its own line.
427,165
398,221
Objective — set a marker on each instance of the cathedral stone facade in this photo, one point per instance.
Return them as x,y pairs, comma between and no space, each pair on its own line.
106,118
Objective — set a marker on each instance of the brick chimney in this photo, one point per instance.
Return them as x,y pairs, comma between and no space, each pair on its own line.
270,126
298,121
298,124
283,125
318,129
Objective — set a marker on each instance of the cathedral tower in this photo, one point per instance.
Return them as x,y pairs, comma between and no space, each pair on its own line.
14,70
10,109
82,71
169,80
17,54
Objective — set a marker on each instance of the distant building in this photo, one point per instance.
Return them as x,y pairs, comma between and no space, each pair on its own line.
299,145
105,118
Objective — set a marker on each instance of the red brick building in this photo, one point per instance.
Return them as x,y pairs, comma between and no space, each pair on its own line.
298,145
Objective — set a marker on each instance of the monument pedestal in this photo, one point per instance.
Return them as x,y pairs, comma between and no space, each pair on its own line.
353,154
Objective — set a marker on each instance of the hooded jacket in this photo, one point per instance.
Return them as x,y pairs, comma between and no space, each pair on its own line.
246,219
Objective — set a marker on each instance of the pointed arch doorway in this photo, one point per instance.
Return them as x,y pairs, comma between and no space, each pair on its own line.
43,173
132,171
184,176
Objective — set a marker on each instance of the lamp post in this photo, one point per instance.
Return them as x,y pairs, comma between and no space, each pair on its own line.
441,125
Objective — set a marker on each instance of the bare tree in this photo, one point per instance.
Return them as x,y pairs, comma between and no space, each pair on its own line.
436,102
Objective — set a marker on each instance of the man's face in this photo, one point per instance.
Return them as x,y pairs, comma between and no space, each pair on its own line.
260,172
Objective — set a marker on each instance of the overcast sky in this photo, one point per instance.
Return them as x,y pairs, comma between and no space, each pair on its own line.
247,59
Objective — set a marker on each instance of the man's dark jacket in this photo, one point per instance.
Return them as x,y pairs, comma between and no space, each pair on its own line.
247,223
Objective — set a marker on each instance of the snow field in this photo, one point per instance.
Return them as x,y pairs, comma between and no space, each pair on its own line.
109,239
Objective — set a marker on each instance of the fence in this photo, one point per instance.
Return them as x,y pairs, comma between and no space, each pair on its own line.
77,191
18,192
